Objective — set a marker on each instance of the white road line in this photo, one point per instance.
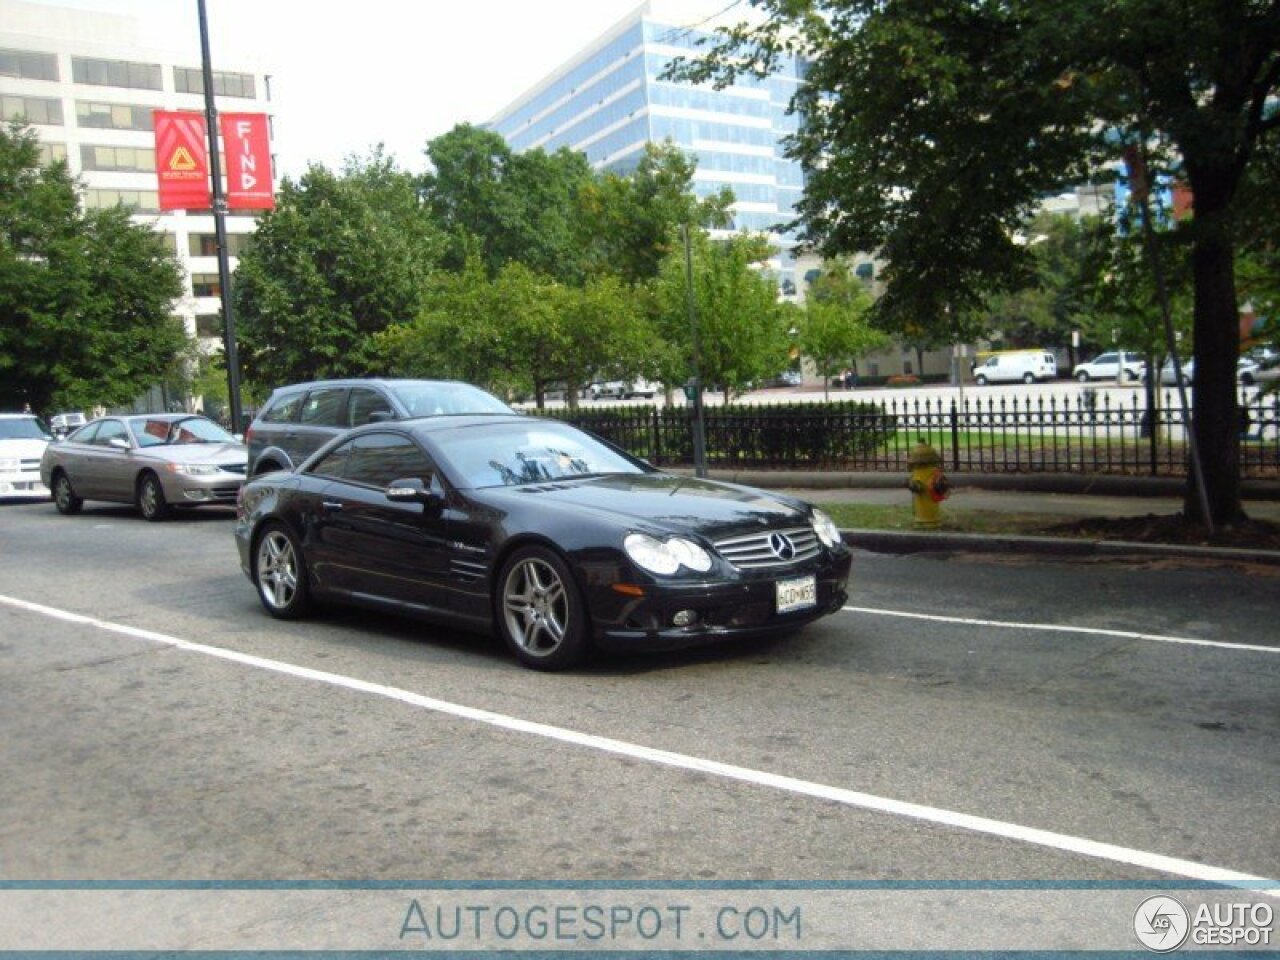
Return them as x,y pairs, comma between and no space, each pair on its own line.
1062,628
950,818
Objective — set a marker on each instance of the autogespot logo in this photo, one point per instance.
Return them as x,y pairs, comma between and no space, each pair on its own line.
1161,924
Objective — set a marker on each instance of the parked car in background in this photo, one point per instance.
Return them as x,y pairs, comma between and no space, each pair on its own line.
1246,371
536,530
157,461
299,419
1009,366
1115,365
787,378
60,424
23,438
623,389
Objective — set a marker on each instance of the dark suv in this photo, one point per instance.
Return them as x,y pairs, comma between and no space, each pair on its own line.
297,420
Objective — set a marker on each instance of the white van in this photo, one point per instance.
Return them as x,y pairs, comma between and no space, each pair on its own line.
1008,366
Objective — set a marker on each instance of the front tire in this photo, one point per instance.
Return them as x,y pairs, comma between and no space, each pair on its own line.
540,613
64,497
280,573
980,380
151,501
1083,376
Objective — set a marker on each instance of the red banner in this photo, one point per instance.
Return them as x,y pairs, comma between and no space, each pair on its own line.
246,142
182,160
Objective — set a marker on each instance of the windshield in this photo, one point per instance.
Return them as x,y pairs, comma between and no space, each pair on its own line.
22,428
507,454
154,431
427,399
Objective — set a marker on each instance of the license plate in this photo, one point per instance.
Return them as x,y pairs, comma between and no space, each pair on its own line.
797,594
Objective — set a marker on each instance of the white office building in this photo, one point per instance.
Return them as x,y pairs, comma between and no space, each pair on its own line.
87,86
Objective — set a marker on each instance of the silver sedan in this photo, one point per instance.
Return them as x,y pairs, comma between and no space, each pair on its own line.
156,461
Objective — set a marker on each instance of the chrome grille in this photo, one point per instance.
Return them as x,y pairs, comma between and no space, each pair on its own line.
766,549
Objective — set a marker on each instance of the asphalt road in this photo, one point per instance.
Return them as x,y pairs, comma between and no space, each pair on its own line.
182,734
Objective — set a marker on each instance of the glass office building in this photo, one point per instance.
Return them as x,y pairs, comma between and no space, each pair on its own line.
610,100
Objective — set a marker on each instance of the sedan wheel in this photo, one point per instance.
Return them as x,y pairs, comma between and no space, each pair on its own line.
540,613
281,574
64,498
1083,376
980,380
151,499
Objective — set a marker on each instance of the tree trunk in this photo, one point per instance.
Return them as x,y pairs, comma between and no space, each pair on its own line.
1217,347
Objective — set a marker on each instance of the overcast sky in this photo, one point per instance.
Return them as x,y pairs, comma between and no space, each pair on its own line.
348,75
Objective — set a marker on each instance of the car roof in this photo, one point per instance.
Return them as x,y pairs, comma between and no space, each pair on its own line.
358,382
18,416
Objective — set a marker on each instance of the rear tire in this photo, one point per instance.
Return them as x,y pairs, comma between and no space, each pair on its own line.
64,497
1028,378
280,573
540,613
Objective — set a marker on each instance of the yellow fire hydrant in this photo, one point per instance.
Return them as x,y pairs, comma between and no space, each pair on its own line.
928,484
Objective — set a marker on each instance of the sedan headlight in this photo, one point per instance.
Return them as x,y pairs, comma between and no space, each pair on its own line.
666,556
825,528
193,469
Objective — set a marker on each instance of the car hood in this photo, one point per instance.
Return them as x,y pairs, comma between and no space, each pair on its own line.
23,449
664,501
225,453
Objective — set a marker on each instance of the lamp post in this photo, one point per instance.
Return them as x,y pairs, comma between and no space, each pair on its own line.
699,430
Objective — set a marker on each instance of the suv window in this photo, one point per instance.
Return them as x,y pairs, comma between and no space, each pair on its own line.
283,410
324,407
1105,358
363,405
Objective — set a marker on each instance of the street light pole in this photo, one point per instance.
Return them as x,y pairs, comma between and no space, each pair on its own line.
220,228
699,431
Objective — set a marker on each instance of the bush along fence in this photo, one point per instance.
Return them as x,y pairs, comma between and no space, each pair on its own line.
1087,433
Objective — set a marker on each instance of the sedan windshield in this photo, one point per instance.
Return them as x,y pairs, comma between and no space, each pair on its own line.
506,454
153,431
433,399
22,428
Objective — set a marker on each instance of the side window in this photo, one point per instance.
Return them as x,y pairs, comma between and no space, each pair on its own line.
334,463
324,407
380,458
85,434
363,405
110,430
1106,358
284,410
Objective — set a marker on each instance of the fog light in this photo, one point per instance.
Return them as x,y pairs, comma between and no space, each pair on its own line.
685,618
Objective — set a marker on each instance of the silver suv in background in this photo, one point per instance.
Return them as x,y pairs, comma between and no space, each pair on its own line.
298,420
1116,365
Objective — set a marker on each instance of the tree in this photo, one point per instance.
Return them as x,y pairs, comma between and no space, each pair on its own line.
835,327
629,223
340,258
742,329
506,207
930,130
85,296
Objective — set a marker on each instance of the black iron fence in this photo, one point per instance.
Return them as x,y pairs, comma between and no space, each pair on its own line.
1087,433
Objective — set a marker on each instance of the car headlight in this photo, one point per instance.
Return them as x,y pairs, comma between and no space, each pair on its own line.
825,528
666,556
193,469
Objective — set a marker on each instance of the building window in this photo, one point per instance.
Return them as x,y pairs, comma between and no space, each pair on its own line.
129,159
42,110
865,271
191,80
205,285
209,325
142,201
206,244
51,153
28,65
116,73
113,116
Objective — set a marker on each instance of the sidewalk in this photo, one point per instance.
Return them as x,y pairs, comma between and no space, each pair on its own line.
1071,497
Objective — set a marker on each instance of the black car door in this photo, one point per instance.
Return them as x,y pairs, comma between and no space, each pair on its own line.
371,547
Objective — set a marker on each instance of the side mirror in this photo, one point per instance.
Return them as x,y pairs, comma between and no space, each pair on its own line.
413,490
118,443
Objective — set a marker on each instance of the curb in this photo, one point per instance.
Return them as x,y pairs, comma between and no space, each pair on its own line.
901,542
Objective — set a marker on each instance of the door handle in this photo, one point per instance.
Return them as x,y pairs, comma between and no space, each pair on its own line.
331,505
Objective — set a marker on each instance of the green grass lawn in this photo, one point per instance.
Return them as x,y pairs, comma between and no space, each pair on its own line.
861,516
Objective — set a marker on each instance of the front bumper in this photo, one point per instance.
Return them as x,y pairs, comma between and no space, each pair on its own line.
725,610
214,488
22,483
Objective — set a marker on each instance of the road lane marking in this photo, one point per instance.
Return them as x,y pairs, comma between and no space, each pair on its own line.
1063,628
851,798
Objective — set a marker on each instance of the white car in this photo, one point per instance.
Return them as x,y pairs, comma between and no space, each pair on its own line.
1116,365
1246,371
22,441
623,389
